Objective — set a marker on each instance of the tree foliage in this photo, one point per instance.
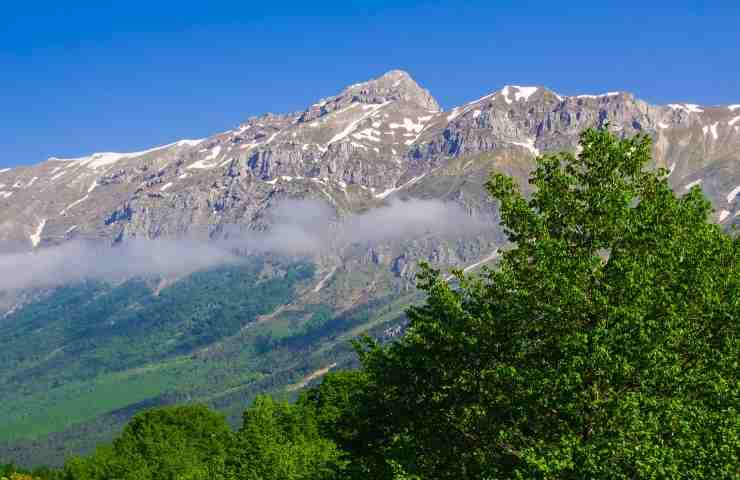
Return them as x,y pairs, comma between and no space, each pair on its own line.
281,441
603,346
181,442
277,441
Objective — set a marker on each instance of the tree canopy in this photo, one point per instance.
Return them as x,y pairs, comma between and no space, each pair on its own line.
604,344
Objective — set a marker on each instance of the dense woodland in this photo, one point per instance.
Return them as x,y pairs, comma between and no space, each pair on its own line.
603,345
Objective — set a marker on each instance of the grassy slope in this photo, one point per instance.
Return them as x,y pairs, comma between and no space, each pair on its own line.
77,364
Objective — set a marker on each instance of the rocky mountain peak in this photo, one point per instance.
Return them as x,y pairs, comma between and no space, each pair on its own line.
393,86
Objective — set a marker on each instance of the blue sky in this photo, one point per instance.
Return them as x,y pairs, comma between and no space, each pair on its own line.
83,76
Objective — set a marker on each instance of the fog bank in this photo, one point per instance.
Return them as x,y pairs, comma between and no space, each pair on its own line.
296,227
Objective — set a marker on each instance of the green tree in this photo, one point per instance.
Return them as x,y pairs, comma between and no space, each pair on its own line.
604,345
344,414
281,441
171,443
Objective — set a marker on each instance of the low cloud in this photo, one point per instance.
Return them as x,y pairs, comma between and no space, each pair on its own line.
296,227
77,261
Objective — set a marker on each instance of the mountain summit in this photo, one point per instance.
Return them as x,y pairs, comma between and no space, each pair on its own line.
394,85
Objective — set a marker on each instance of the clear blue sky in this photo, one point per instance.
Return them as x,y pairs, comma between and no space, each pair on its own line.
83,76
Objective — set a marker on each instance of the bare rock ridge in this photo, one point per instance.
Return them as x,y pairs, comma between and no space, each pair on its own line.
395,85
374,140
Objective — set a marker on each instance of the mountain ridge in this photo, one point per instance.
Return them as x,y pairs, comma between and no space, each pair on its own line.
375,136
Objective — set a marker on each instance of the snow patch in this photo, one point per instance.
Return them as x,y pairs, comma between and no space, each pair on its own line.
523,93
73,204
3,170
663,125
706,129
165,186
734,193
272,137
367,134
353,125
601,95
214,153
733,107
187,143
485,97
520,93
104,159
723,215
693,184
529,145
477,113
5,195
734,121
686,107
454,114
36,236
713,129
201,165
408,125
505,93
387,192
205,162
99,160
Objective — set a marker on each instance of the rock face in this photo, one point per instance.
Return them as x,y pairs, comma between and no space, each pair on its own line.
374,140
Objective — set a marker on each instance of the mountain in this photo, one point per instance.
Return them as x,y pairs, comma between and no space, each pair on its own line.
77,360
373,140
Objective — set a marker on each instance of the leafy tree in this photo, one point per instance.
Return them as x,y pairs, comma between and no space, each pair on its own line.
605,344
281,441
345,415
182,442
